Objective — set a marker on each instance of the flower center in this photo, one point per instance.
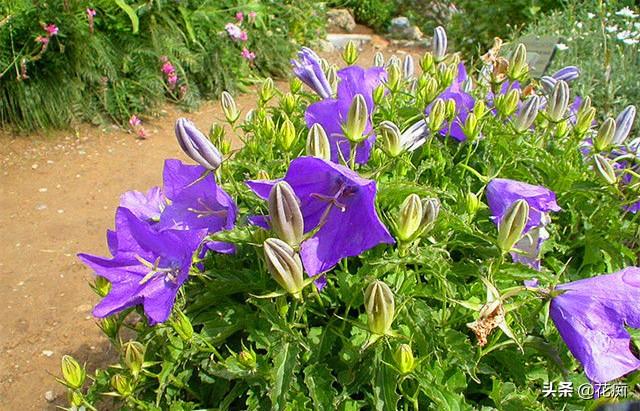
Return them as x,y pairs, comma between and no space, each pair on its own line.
206,210
171,273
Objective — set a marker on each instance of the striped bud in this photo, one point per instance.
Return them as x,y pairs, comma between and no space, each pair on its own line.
198,147
284,265
558,102
624,122
404,359
229,107
527,114
605,169
518,63
285,214
437,115
426,62
430,211
378,59
410,218
380,307
394,78
408,67
72,372
332,79
605,135
470,127
356,119
548,84
439,44
512,225
133,353
584,120
318,143
350,53
390,138
287,134
267,90
568,73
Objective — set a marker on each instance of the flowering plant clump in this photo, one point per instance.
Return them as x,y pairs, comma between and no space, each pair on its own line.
387,238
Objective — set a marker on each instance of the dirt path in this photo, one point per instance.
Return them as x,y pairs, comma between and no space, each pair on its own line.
58,194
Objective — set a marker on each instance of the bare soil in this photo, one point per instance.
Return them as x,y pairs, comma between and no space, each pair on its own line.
58,193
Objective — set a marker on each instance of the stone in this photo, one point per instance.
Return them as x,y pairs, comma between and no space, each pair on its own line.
401,29
340,19
400,23
50,396
324,46
339,41
47,353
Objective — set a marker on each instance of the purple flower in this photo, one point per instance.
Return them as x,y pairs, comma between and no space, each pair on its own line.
339,202
567,73
197,202
591,316
146,206
309,71
148,267
502,193
331,114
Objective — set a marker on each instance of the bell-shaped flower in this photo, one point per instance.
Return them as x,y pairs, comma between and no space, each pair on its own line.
309,69
338,209
332,114
146,206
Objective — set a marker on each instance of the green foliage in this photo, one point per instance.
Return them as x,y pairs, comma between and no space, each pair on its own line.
114,71
609,66
252,349
376,14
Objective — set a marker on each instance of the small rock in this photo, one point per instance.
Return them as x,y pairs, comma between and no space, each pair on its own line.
325,46
340,19
47,353
83,308
42,190
50,396
402,29
60,211
400,23
41,207
34,166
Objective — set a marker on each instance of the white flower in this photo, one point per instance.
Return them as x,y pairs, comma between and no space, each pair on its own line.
579,24
623,35
626,12
562,47
591,15
611,29
631,41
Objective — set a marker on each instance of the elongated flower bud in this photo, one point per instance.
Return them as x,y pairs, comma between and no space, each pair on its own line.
437,115
378,59
229,107
133,356
430,90
266,90
568,73
408,67
393,61
605,169
605,135
527,114
624,122
287,134
447,75
512,225
430,211
410,218
332,79
558,102
470,127
584,120
378,94
426,62
507,104
122,385
518,63
288,103
284,265
295,85
548,84
404,359
450,109
350,53
439,43
356,119
390,138
198,147
72,372
480,108
318,143
285,214
585,104
182,325
394,77
380,307
472,203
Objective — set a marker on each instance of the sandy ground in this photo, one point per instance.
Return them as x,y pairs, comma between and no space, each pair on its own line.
58,193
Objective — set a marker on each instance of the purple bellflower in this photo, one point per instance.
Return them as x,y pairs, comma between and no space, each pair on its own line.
196,202
146,206
148,267
336,202
309,71
332,114
502,193
591,316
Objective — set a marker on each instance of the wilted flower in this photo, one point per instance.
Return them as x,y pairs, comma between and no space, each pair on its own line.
503,193
591,316
252,16
309,70
248,55
339,204
332,113
135,121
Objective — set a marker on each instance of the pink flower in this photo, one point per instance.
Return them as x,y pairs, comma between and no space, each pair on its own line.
252,17
172,79
239,16
244,36
167,68
249,55
43,40
142,133
90,15
91,12
234,31
134,121
51,29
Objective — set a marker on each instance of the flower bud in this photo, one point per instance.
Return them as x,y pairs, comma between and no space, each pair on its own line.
480,108
217,137
426,62
558,102
527,114
394,77
332,79
562,128
109,327
437,115
380,307
390,138
182,325
133,356
512,225
408,67
356,119
122,385
269,128
198,147
568,73
624,122
548,84
450,109
288,103
378,59
404,359
295,85
410,218
470,127
447,76
439,44
285,214
378,94
584,120
605,135
76,399
585,104
430,211
430,90
248,358
72,372
287,134
508,104
102,286
267,90
350,53
229,107
472,203
605,169
518,63
318,143
284,265
393,61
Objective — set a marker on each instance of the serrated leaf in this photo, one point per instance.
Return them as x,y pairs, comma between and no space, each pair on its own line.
319,380
135,23
284,365
385,395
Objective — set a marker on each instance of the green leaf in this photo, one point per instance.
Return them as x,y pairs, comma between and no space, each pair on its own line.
319,380
135,23
187,23
284,366
385,395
